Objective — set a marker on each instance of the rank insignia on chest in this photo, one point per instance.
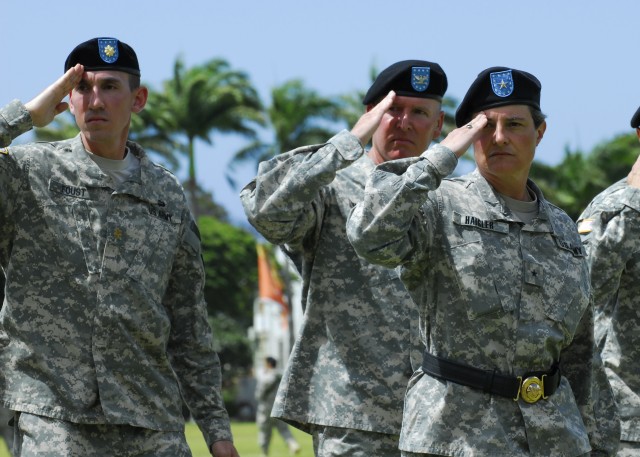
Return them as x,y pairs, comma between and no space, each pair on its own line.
117,233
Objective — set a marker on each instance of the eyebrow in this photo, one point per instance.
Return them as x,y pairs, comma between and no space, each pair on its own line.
510,118
108,79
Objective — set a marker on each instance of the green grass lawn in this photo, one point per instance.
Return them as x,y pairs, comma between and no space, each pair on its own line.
245,435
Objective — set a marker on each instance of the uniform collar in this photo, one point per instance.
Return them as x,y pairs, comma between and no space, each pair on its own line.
496,205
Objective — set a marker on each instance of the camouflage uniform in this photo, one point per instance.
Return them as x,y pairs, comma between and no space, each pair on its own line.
6,430
351,361
492,293
610,229
104,320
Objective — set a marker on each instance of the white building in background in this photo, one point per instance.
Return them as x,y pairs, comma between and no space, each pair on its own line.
274,327
274,330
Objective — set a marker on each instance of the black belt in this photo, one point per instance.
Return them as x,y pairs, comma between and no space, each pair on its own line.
530,387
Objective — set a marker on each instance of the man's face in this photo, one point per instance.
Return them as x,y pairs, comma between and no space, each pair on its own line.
406,129
102,104
505,148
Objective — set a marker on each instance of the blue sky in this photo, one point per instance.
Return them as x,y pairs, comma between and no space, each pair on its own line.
584,53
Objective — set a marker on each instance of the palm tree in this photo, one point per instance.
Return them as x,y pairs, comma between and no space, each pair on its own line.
298,116
200,100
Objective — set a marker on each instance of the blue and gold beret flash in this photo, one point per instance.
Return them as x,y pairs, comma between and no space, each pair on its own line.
499,86
104,54
635,119
409,78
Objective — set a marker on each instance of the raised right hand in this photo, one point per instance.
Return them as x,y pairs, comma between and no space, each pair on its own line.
460,139
48,104
369,121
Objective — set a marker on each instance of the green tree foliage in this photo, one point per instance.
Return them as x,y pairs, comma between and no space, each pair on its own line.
200,100
298,116
579,177
208,207
231,342
230,261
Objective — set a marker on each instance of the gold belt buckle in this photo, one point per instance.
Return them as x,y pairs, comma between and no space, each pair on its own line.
531,389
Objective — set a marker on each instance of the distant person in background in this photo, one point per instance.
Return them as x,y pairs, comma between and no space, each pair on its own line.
610,230
266,390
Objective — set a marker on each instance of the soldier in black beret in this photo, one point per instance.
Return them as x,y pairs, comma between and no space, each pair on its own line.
609,229
409,78
499,86
490,264
117,339
414,117
338,386
504,149
104,54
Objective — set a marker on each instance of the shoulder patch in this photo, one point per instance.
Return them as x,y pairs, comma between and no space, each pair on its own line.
4,151
585,226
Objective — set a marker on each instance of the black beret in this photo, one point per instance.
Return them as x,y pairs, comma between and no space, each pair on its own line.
499,86
104,54
409,78
635,119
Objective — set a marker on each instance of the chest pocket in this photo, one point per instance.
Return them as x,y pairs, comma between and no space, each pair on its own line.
141,243
476,247
54,227
562,281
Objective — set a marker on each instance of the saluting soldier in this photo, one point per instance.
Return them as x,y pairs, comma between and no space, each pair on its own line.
610,230
345,379
104,327
500,279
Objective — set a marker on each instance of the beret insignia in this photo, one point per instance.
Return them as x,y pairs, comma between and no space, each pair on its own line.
108,48
420,78
502,83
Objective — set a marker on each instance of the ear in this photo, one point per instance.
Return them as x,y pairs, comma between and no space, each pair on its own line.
540,131
140,99
638,132
71,108
438,131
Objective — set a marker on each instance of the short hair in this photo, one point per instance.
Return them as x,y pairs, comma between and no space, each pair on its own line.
271,362
537,115
134,81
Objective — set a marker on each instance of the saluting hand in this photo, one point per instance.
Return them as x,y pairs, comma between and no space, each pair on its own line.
48,104
460,139
369,121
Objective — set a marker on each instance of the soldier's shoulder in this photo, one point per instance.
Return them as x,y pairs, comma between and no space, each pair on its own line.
34,149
